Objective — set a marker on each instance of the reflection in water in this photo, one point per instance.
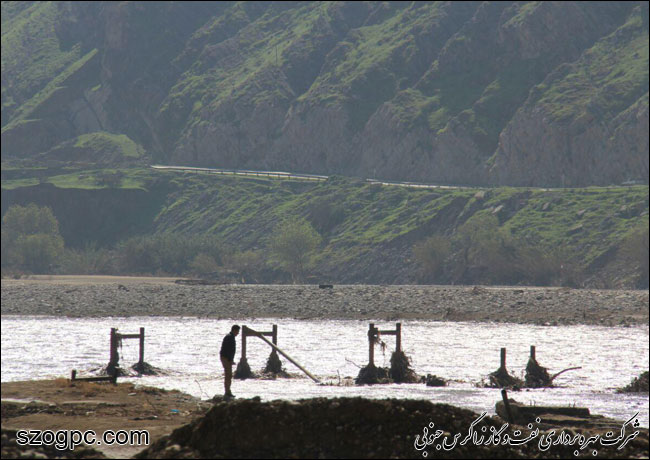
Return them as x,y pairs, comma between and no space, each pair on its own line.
43,347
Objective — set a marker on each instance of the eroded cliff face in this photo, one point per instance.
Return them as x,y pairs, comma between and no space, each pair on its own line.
580,152
508,93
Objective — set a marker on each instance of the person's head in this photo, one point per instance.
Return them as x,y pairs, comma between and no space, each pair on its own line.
234,330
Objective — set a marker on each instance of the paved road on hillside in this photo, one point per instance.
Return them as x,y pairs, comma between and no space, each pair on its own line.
297,176
313,177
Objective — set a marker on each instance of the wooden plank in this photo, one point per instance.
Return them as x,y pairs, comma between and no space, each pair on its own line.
95,379
128,336
388,332
74,378
275,347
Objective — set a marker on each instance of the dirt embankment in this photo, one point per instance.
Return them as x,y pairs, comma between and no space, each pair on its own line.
356,428
60,404
104,296
181,426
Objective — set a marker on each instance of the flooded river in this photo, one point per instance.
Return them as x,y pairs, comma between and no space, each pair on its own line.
38,347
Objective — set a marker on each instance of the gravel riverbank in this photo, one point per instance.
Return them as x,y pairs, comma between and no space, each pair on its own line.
123,296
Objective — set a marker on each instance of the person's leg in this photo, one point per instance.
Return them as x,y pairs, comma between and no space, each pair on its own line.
227,370
228,380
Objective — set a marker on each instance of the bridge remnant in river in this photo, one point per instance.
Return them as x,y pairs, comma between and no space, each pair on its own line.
243,369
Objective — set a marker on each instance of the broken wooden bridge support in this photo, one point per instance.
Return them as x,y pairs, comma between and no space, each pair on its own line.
116,340
250,332
373,338
243,370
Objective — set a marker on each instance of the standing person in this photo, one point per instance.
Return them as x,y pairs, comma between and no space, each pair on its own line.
228,347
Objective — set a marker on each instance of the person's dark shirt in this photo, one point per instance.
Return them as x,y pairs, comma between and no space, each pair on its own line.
228,347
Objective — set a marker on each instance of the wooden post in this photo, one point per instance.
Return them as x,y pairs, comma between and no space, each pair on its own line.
275,334
243,343
371,345
503,359
141,360
532,352
114,358
506,403
398,337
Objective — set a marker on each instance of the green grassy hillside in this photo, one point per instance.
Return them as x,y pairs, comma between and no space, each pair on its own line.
368,231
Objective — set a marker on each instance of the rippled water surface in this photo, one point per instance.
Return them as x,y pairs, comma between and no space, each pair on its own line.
188,348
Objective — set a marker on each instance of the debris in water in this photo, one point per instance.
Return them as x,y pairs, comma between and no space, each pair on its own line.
435,381
372,374
536,375
113,369
501,379
145,368
400,369
243,370
273,364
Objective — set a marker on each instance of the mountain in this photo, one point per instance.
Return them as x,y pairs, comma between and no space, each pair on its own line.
480,93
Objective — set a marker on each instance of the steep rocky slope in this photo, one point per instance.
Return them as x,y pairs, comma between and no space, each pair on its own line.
454,92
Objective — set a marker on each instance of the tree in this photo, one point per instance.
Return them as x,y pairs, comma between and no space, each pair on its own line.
293,244
248,264
204,264
30,238
486,251
430,255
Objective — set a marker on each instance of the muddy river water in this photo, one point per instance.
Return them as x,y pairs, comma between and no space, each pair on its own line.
39,347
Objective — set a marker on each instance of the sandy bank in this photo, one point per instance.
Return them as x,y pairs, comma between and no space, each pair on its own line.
60,404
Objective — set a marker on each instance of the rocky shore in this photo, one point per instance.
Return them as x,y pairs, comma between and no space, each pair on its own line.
105,296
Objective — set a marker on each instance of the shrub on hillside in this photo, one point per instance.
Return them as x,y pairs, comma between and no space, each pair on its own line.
430,255
324,215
